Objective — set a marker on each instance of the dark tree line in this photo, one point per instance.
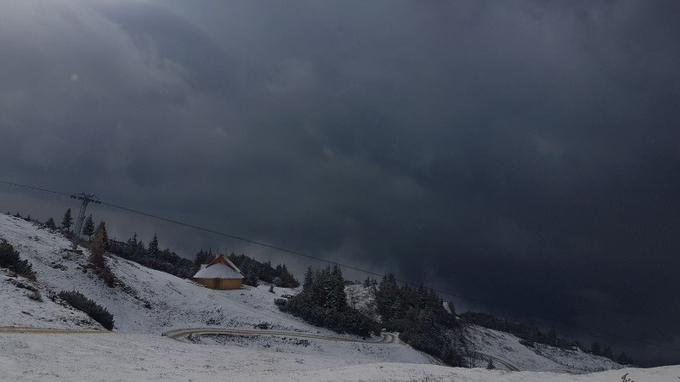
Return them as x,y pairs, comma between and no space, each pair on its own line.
253,271
419,316
165,260
323,302
153,257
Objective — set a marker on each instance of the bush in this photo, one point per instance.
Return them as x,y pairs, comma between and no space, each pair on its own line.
35,296
9,258
21,285
89,307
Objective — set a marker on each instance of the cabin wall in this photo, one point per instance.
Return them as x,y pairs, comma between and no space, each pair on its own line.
220,283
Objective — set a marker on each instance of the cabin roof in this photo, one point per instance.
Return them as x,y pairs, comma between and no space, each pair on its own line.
219,268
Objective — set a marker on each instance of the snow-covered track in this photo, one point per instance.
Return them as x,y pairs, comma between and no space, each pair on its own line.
183,334
500,361
15,329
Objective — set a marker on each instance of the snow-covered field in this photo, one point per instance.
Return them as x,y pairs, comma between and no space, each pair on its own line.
146,357
154,302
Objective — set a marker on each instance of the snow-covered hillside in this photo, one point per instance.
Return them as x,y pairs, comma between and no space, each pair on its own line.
19,307
153,302
507,347
504,349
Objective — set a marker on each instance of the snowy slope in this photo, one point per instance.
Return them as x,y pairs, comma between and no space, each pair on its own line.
507,347
20,310
504,348
134,357
153,302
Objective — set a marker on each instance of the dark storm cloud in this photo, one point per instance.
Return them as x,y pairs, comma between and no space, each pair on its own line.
525,154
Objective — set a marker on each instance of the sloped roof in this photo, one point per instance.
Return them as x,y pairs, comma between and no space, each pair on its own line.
219,268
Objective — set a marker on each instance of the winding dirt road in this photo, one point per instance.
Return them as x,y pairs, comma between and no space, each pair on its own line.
499,361
183,334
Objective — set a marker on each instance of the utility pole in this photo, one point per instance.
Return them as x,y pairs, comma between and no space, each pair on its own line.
85,200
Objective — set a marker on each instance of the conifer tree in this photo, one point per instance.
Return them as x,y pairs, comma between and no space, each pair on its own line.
337,296
97,260
67,221
309,280
88,227
595,348
101,230
552,337
153,247
50,224
387,298
97,250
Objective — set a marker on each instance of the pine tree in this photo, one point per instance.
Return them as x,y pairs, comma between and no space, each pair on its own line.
101,230
203,257
624,359
97,260
309,280
388,298
153,247
67,221
552,337
50,224
337,296
88,227
595,348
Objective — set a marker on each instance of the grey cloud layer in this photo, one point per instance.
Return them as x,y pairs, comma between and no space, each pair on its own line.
536,141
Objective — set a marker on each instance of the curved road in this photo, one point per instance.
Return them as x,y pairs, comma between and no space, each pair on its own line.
182,334
385,338
500,361
15,329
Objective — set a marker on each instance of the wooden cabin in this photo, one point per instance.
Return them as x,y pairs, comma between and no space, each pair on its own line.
220,273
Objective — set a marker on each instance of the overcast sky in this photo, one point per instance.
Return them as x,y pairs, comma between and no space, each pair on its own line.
525,154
